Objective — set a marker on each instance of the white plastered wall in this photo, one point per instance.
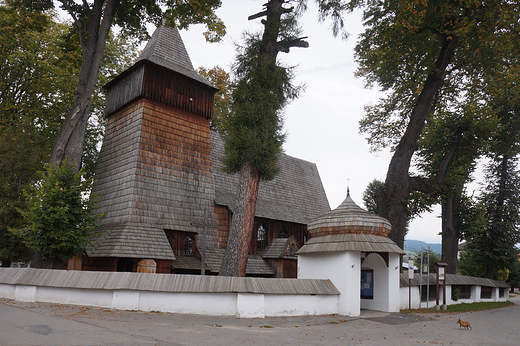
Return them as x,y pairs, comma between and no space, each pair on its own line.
343,269
386,283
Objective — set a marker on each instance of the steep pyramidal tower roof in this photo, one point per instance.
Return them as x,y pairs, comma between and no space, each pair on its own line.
167,49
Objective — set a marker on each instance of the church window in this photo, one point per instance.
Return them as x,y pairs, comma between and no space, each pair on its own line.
182,243
188,246
292,249
282,233
171,240
261,238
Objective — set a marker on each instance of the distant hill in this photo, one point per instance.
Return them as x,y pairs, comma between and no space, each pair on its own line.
416,245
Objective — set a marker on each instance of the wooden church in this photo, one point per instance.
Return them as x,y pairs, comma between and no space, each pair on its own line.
159,173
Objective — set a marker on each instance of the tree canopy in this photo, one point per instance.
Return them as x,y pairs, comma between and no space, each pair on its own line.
59,217
40,58
425,56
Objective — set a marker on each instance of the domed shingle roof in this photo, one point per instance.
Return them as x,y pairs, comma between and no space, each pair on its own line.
348,218
349,228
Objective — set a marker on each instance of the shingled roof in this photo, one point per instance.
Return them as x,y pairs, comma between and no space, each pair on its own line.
167,49
296,194
278,248
349,228
348,217
255,264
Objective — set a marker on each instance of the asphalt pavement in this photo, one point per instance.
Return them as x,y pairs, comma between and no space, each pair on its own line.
23,323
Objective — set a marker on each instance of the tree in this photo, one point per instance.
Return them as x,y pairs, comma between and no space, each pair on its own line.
222,102
493,230
419,52
59,217
40,58
254,135
369,195
93,20
452,141
31,98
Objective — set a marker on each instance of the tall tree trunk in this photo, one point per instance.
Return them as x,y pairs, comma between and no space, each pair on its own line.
450,232
391,204
70,142
497,217
241,229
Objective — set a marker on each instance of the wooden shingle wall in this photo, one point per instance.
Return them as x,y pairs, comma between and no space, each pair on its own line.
117,164
154,173
174,182
223,218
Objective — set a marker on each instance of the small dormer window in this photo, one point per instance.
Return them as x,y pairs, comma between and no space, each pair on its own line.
188,246
261,238
292,249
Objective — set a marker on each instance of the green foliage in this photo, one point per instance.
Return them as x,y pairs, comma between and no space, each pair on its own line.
468,307
514,274
35,86
40,61
433,257
400,47
222,102
369,195
182,14
59,215
491,233
261,91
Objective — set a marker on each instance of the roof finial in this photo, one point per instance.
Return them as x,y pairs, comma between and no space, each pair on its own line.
348,187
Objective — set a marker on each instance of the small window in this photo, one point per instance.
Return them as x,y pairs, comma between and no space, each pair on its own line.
282,233
188,246
192,93
180,88
292,249
261,238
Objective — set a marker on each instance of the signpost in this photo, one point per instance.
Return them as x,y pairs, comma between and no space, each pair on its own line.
411,275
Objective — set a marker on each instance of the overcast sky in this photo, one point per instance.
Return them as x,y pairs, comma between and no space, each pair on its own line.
322,125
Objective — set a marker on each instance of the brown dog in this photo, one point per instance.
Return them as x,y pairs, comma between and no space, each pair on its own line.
466,325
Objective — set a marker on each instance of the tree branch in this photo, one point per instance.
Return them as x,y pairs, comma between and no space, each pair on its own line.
258,15
441,172
424,185
81,30
284,46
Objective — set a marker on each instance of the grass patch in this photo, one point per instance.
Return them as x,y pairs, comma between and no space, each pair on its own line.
266,326
464,307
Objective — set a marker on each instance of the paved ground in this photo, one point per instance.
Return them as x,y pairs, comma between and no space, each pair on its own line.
52,324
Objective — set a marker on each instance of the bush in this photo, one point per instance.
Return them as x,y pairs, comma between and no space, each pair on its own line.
59,218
